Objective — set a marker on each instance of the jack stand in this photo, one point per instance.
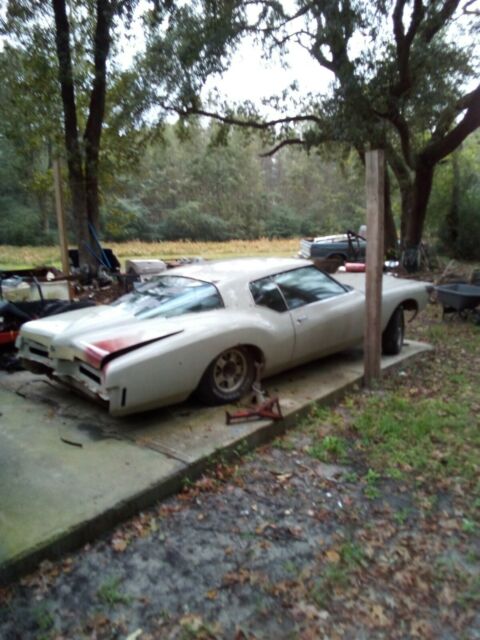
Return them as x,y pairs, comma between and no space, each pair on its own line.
267,410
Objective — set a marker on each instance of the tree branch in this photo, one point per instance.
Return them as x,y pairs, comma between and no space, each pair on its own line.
470,12
404,43
434,23
402,128
439,149
448,115
280,145
253,124
399,168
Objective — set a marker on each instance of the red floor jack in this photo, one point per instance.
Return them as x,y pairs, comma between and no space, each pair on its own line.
264,409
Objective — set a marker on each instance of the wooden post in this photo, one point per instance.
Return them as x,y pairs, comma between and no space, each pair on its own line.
62,229
375,187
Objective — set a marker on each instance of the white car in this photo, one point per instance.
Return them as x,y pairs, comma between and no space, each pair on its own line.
203,328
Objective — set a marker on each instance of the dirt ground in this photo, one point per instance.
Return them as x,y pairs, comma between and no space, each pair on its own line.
313,536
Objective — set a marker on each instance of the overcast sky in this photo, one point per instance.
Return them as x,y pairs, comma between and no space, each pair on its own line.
250,77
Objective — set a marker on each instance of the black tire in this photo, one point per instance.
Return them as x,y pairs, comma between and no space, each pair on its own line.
338,256
229,377
392,338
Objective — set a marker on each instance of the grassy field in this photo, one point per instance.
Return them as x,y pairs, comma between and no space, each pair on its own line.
19,257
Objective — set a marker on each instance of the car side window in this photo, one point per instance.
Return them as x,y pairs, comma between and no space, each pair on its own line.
266,294
306,285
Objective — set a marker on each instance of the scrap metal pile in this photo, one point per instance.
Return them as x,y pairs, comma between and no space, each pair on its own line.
28,294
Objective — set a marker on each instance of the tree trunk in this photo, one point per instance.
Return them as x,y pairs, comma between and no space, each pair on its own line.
422,187
390,230
93,130
406,196
438,148
74,154
83,162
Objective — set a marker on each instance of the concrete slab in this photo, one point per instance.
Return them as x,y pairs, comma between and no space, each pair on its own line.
69,471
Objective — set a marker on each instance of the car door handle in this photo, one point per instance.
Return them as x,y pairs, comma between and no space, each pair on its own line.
301,319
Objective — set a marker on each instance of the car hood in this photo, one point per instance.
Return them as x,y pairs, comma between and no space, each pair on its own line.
97,335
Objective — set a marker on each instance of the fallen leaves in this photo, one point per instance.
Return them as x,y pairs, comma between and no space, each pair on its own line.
304,610
332,556
119,544
237,577
378,617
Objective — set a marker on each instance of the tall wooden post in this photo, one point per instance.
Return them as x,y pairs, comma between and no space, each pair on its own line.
62,229
375,187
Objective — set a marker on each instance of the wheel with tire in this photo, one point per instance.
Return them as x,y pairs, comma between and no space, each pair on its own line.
228,377
339,257
392,338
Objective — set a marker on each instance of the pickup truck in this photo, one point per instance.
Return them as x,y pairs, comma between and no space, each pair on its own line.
346,247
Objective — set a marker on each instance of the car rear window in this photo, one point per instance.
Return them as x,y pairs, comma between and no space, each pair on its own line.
168,296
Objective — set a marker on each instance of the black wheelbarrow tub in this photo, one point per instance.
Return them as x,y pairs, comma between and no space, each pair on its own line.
458,296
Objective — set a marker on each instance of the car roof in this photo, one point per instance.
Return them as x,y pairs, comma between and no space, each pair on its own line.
227,272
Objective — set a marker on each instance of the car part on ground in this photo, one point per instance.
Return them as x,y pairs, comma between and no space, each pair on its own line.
268,410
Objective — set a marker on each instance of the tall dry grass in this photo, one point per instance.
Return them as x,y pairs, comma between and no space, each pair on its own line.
18,257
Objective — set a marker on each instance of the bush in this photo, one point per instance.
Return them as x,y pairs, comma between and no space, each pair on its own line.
282,223
127,220
468,240
189,223
467,243
20,224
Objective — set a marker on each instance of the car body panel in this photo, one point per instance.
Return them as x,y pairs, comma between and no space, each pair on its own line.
340,318
135,363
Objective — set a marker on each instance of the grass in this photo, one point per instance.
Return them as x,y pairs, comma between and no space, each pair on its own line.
424,420
43,618
110,594
336,575
425,435
329,448
23,257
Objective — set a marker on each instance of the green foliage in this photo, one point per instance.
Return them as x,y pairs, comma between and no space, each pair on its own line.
19,223
329,448
282,223
188,223
20,219
110,594
125,219
405,435
43,618
192,187
468,241
465,196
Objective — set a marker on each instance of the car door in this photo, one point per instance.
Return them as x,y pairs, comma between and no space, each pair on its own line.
278,347
327,316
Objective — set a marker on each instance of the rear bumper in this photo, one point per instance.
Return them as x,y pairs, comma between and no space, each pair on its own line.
75,373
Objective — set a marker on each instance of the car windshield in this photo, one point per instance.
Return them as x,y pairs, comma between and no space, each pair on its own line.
168,296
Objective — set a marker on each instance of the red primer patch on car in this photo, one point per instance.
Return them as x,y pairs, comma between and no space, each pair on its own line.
100,353
96,352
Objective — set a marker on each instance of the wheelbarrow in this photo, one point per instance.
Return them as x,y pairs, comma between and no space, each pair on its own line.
458,297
